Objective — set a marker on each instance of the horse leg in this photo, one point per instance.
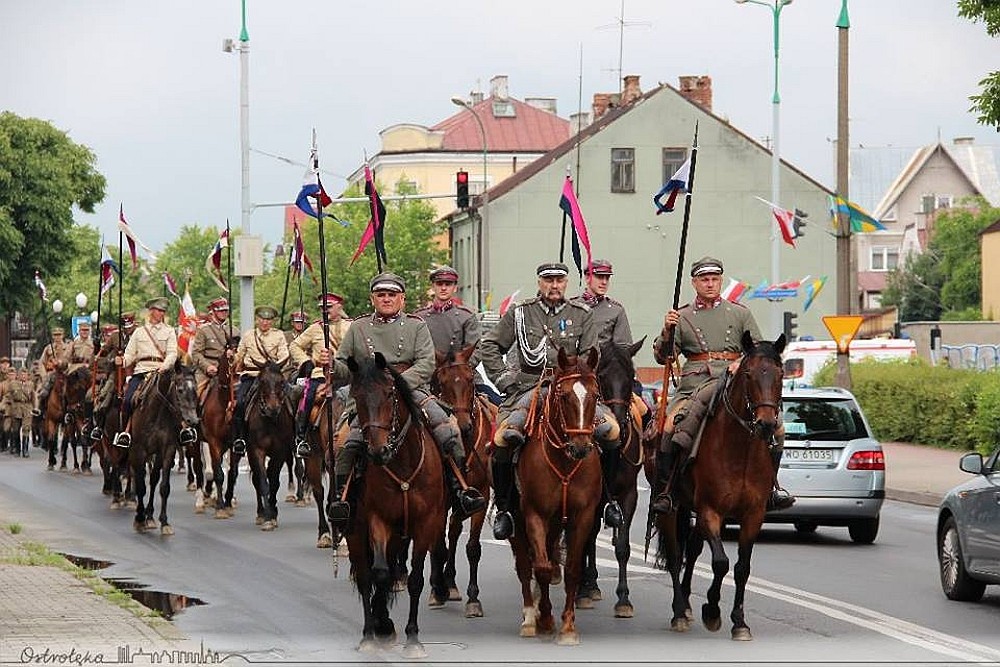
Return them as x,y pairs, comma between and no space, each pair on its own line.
298,495
415,586
233,473
454,532
139,480
382,578
63,446
623,551
711,615
588,591
522,565
741,574
474,553
154,480
168,463
274,466
544,548
577,539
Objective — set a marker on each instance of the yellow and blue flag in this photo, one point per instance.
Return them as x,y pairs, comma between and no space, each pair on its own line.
861,221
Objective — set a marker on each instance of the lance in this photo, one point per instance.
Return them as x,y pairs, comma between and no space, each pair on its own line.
100,284
120,369
562,235
322,273
288,273
229,277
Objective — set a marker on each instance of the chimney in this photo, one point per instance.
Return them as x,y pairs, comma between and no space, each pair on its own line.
543,103
578,121
601,103
964,141
498,87
475,97
631,91
698,89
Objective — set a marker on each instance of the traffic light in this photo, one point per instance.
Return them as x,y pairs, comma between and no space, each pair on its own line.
462,189
798,223
790,325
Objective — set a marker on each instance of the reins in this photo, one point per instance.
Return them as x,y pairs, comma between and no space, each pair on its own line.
750,424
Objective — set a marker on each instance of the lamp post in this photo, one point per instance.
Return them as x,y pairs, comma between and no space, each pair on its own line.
775,6
81,301
458,101
57,308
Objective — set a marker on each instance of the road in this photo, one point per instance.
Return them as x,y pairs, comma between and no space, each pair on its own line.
275,597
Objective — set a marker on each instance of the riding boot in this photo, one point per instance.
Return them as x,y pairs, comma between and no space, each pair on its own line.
96,433
239,435
302,448
503,483
666,461
613,517
779,499
338,510
465,502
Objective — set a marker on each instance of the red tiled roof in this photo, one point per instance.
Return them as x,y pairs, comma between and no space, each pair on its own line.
530,130
872,281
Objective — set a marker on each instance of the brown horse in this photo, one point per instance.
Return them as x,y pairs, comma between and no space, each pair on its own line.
215,429
74,422
730,479
559,478
114,460
324,416
454,383
270,423
402,496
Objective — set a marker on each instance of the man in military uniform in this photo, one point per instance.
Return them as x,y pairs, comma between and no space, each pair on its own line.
6,377
707,332
18,396
106,373
54,354
152,347
307,354
536,329
258,346
453,325
81,348
610,319
406,343
211,342
298,321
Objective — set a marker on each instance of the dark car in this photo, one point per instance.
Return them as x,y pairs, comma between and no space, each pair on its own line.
968,530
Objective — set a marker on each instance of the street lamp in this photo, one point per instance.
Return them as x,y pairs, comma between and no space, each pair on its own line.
57,308
81,301
775,6
458,101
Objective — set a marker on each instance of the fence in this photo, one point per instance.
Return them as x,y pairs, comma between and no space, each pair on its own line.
972,356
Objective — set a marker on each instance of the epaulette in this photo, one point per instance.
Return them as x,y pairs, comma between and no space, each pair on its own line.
614,301
527,302
462,306
414,316
579,304
734,303
421,310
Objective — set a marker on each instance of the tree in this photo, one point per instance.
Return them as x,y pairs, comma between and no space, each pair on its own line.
43,174
987,103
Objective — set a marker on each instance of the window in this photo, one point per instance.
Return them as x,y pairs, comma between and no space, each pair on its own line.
944,201
623,170
823,419
503,109
673,158
884,258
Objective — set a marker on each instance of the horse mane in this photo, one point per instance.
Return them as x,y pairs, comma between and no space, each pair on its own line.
368,373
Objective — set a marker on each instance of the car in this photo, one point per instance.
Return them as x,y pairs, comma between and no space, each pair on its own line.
968,530
832,464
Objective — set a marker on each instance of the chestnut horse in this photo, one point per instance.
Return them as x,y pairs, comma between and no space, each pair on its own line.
559,478
730,479
401,495
454,383
215,428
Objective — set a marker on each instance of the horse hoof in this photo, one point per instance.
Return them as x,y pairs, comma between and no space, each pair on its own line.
414,651
166,530
712,624
454,595
399,586
300,503
595,594
192,487
63,468
742,634
624,611
434,602
473,610
139,526
151,523
50,467
88,472
584,602
529,631
681,624
291,498
259,521
325,541
115,505
367,646
76,471
568,639
269,525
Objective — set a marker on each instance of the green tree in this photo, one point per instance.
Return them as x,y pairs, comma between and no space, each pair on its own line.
987,102
185,256
43,174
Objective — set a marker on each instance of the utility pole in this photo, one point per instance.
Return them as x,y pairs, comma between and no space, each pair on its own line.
845,272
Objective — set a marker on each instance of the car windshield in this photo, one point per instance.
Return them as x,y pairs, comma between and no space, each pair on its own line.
823,419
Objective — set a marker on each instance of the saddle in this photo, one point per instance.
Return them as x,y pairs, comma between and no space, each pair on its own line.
144,389
690,419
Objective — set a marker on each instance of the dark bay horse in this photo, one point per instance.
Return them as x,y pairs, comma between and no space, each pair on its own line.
559,478
215,428
74,420
402,496
114,460
616,376
730,479
53,411
166,415
325,415
454,383
270,420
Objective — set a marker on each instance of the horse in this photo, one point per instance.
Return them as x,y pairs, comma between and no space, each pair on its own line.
53,411
74,433
730,478
114,460
454,383
559,478
215,430
270,422
401,495
616,375
167,413
321,458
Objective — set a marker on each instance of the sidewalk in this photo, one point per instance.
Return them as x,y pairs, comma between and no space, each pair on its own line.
919,474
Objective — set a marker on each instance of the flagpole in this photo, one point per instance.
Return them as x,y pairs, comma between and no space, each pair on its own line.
323,287
120,369
229,272
288,273
100,293
562,235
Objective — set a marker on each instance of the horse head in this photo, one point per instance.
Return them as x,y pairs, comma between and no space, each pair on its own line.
573,401
271,389
616,375
77,384
384,405
179,386
762,371
454,383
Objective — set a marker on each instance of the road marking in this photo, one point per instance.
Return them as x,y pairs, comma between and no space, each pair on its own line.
890,626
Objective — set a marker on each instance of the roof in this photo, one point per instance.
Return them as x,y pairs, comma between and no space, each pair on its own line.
992,229
518,127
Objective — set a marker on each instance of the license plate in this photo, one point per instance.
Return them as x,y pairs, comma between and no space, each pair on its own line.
808,455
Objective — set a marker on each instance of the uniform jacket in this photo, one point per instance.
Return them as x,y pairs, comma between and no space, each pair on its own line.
610,319
257,348
19,397
54,353
151,347
80,353
452,329
404,341
209,345
308,344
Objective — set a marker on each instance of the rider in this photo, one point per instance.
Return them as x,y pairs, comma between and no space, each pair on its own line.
298,321
54,354
258,346
708,333
153,347
211,342
453,325
81,348
106,368
405,341
535,329
307,350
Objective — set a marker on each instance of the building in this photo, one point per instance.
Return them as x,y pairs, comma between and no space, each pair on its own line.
632,147
989,249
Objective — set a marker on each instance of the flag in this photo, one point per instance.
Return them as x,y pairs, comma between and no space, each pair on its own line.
187,319
784,218
735,290
571,207
312,187
812,291
508,301
677,183
108,270
43,292
171,285
132,239
214,262
299,257
861,221
376,224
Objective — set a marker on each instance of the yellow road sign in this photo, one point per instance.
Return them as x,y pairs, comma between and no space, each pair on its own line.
843,329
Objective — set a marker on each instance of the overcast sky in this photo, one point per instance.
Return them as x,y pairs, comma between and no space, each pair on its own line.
148,88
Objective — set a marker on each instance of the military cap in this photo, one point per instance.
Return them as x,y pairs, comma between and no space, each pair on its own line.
159,303
327,299
444,274
108,329
4,359
128,320
600,267
57,330
550,269
265,312
298,316
218,304
705,265
387,281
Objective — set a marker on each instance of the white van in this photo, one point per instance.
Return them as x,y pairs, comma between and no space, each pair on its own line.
804,358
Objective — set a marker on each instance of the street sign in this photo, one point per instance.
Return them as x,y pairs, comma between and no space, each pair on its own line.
843,329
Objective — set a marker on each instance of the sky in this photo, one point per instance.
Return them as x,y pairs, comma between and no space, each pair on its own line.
149,89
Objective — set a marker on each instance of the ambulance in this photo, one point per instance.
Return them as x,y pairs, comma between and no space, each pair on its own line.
804,358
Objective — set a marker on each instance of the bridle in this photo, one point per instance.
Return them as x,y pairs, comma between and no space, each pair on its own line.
395,434
751,423
188,434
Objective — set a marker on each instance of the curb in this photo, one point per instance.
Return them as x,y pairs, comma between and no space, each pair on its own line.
927,498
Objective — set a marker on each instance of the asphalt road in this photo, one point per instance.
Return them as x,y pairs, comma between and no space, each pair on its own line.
273,596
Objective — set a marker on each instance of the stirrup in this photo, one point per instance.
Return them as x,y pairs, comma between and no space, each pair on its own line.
338,511
503,525
96,433
513,437
779,499
470,501
302,448
35,412
188,435
123,440
613,517
663,503
240,446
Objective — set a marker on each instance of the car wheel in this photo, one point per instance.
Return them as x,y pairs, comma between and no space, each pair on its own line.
806,527
955,580
863,531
